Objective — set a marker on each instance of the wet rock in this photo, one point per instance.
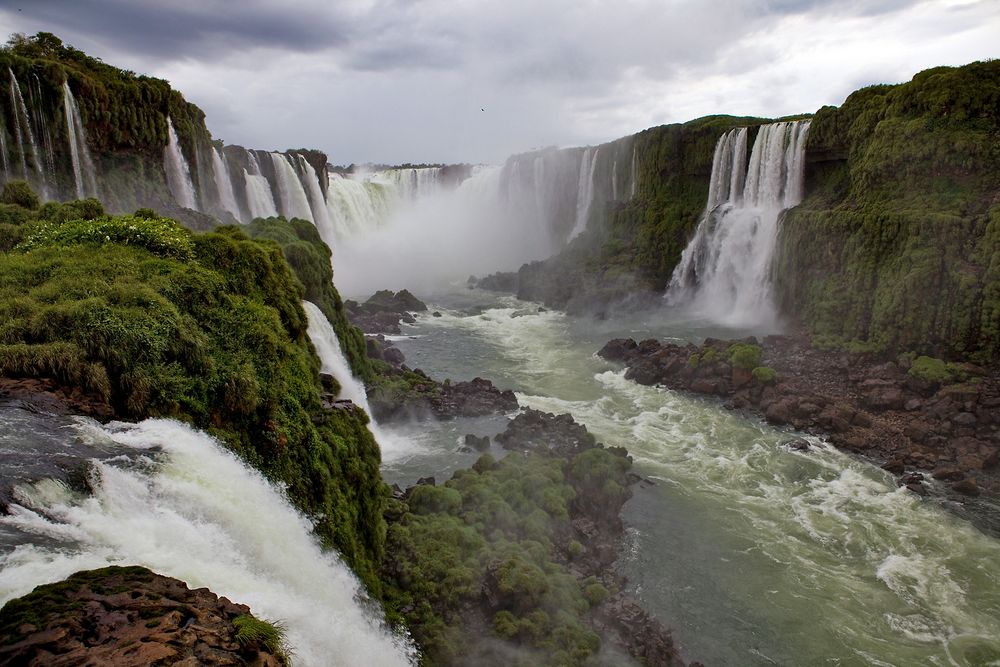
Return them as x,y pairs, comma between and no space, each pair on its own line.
393,355
894,466
948,474
127,617
535,430
426,481
967,487
964,419
436,314
799,446
479,444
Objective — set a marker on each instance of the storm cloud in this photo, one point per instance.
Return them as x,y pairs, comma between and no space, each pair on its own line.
437,80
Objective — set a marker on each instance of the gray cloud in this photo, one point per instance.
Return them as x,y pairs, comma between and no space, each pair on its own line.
404,80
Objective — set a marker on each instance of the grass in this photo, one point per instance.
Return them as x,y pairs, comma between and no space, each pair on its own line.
252,631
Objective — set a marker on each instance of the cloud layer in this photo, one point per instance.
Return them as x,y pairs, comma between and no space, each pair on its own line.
438,80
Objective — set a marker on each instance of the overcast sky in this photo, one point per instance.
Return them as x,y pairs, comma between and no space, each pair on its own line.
473,81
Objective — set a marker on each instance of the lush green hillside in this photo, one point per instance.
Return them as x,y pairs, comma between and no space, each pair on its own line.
154,320
897,243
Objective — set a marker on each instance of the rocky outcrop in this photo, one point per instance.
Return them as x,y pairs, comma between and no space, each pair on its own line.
383,311
131,617
412,394
863,404
46,395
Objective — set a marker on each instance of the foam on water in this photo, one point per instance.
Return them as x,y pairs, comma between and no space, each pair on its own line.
186,507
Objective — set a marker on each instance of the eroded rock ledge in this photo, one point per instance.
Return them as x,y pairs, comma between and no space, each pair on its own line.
129,617
948,429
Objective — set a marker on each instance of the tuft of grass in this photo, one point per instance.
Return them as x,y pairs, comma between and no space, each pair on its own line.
252,631
764,374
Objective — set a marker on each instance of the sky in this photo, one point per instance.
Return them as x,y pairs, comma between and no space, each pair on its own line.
394,81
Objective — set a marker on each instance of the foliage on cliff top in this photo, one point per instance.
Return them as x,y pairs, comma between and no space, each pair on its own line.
215,336
501,527
897,243
310,259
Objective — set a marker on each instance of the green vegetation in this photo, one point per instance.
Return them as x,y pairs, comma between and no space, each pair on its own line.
153,320
897,245
743,355
764,374
936,371
309,258
251,631
497,538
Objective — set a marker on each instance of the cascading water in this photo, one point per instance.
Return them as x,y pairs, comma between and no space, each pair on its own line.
332,358
317,203
83,166
292,197
260,200
23,132
356,207
178,171
180,504
3,148
37,109
585,191
223,183
724,273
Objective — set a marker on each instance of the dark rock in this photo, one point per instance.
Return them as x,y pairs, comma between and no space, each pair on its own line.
894,466
964,419
480,444
799,446
328,382
393,355
426,481
435,314
966,487
948,474
535,430
127,616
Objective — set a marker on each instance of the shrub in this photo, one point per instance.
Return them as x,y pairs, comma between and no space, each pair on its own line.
743,355
935,370
694,360
764,374
250,631
20,194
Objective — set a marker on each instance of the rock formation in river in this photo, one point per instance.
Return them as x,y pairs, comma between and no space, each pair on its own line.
131,617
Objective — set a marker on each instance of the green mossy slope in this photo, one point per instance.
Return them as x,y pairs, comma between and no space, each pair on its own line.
206,328
897,243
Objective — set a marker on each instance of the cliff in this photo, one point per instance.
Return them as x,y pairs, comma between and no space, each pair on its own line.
897,242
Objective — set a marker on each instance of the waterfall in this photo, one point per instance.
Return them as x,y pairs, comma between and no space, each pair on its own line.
223,183
356,207
317,203
83,165
3,147
38,110
260,201
585,191
724,273
294,203
332,358
184,506
178,172
22,132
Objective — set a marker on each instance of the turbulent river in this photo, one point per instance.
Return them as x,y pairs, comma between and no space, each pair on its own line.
755,554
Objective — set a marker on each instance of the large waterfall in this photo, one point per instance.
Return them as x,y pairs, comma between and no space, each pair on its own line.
179,503
291,195
724,273
356,206
317,202
260,201
178,172
223,183
83,165
332,358
25,136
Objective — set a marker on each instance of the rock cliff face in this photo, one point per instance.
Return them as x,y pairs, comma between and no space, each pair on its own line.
131,617
897,243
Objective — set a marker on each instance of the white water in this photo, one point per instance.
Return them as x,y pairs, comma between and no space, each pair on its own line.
177,170
83,166
41,124
190,509
755,553
585,191
3,148
223,183
260,201
356,206
292,197
23,132
317,203
724,273
332,358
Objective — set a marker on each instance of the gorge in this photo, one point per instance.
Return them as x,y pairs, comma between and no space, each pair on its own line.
182,386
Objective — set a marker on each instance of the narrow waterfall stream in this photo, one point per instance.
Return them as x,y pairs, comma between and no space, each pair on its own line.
177,169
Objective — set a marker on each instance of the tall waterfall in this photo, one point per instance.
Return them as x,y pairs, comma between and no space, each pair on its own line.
291,195
260,201
83,165
184,506
317,202
178,172
724,273
223,183
24,135
42,126
3,147
585,190
356,207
